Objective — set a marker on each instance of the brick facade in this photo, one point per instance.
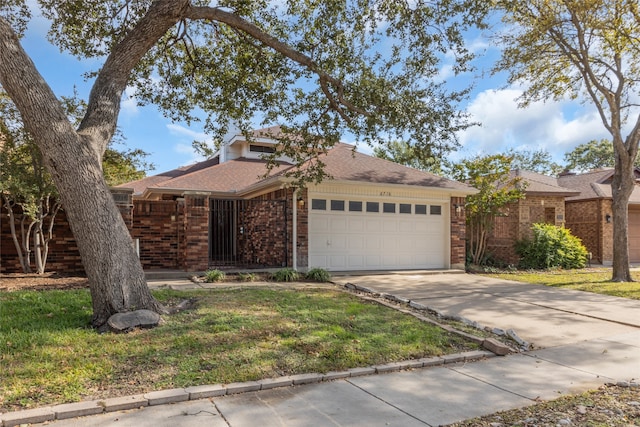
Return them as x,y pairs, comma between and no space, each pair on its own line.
264,239
586,220
458,233
156,225
174,234
63,253
193,252
515,224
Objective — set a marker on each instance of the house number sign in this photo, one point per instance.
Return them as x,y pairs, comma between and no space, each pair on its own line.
385,193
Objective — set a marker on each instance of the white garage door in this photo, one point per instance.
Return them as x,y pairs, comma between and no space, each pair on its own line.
365,234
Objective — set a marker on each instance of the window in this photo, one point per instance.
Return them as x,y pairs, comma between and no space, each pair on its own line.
421,209
355,206
261,149
389,207
337,205
435,210
405,208
319,204
373,207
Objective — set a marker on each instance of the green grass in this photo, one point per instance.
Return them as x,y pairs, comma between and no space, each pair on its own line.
49,354
596,280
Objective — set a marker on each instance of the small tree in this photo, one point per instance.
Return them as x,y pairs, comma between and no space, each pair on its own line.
25,187
490,175
27,192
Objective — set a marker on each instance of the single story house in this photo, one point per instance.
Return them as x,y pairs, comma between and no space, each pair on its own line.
370,214
580,202
590,216
224,212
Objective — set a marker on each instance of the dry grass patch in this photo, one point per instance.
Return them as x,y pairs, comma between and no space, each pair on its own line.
49,354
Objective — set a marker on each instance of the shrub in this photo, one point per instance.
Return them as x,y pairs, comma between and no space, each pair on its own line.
550,247
318,275
285,275
214,276
247,277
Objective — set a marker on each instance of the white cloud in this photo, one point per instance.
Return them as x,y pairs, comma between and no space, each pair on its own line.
183,144
129,104
542,125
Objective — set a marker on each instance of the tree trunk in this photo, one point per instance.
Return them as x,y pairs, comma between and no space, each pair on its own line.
621,188
24,264
116,278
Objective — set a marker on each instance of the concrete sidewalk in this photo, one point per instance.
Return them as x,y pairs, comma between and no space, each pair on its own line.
588,341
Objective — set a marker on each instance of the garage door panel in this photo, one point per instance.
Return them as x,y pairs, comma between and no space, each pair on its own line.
405,226
373,261
373,225
377,240
338,224
356,262
374,242
356,243
356,225
338,262
338,242
633,235
389,226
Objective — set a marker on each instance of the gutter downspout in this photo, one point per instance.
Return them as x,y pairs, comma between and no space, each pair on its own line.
294,239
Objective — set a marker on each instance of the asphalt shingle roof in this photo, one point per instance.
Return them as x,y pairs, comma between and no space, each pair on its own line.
341,163
542,184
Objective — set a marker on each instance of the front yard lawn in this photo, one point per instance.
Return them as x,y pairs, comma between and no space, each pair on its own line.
49,354
596,280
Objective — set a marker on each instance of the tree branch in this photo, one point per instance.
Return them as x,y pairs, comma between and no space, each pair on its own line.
103,107
238,23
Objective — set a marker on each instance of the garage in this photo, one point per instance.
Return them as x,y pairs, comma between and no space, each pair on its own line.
366,233
634,234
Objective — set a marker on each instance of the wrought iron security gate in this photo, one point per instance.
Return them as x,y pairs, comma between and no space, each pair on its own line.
248,233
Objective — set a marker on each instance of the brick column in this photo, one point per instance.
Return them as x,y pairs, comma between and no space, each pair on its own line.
194,245
458,233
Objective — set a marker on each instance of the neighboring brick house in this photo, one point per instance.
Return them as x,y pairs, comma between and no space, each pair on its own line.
544,202
371,214
580,202
590,216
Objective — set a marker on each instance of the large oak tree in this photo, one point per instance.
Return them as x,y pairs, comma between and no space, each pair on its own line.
587,50
319,67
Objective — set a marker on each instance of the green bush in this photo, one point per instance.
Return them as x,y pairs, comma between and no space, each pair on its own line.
550,247
247,277
211,276
318,275
285,275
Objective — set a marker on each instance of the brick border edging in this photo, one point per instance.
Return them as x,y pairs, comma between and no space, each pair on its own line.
395,302
162,397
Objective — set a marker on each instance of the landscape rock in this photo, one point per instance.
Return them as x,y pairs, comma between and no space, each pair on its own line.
125,322
496,347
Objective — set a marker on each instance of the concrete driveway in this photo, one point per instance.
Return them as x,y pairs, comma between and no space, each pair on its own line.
541,315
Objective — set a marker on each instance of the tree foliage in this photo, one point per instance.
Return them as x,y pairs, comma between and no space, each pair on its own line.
539,161
587,50
405,154
497,188
592,155
320,68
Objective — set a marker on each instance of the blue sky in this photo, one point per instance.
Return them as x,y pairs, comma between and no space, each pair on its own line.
555,126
